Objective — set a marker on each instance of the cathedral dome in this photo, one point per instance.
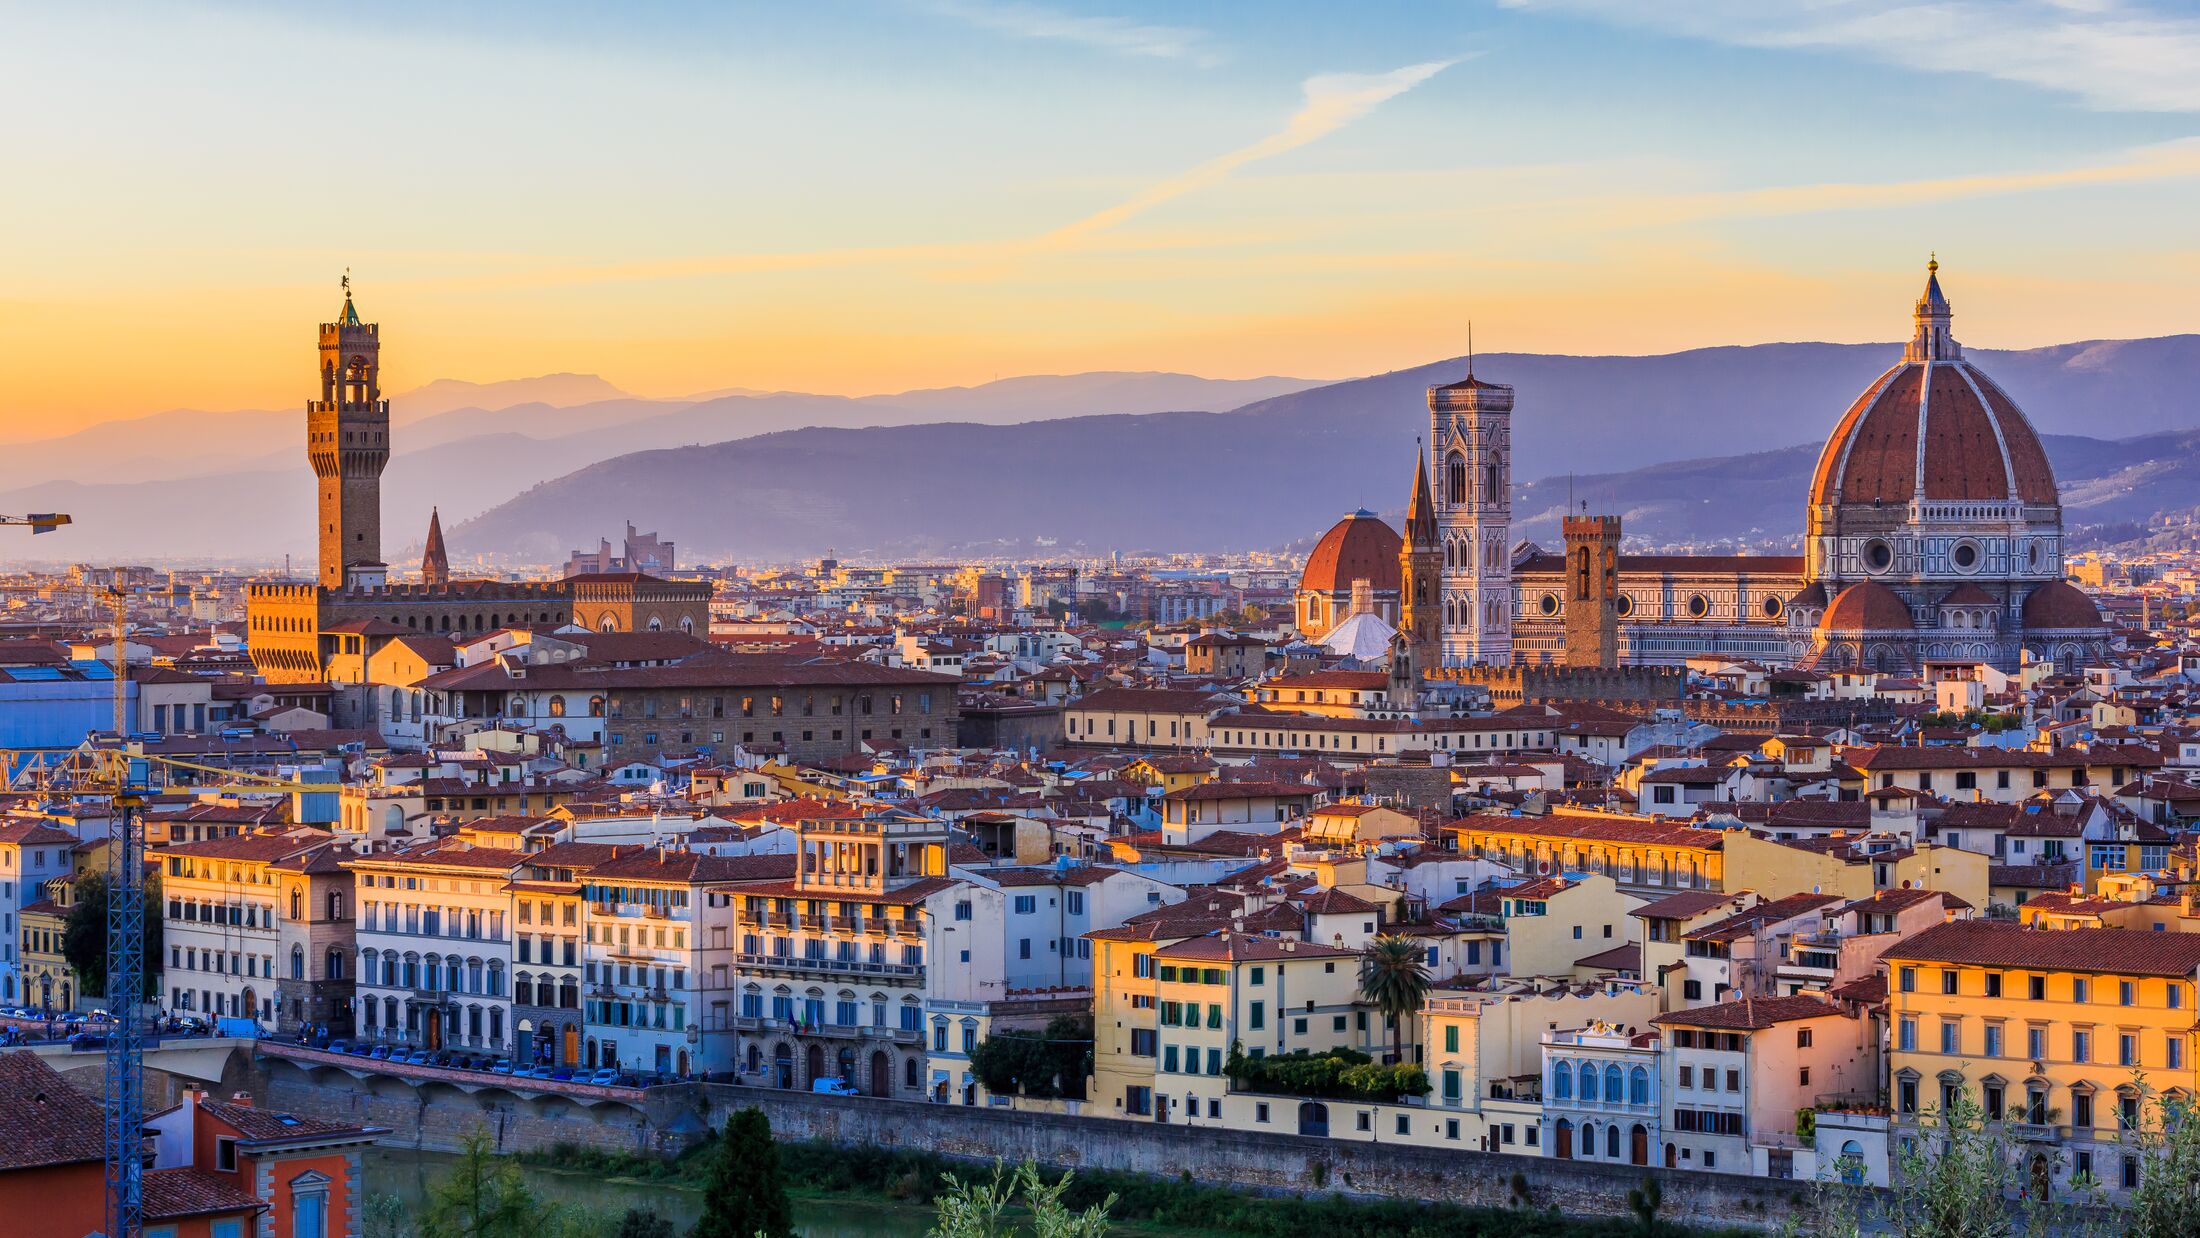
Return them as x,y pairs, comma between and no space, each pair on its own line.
1867,606
1934,428
1358,547
2060,604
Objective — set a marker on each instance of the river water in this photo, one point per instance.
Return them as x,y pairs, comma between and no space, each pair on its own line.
406,1174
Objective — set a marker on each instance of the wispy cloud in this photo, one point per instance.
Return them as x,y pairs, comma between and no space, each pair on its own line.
2111,54
1332,101
1120,35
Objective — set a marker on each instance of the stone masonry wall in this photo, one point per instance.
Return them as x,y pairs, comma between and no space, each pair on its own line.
436,1115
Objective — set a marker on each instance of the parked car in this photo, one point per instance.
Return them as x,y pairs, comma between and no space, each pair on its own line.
339,1046
834,1087
607,1077
380,1053
502,1066
562,1074
87,1040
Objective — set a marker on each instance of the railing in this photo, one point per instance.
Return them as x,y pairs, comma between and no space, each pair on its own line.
850,966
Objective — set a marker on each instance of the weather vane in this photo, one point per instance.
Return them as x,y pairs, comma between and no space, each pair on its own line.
347,281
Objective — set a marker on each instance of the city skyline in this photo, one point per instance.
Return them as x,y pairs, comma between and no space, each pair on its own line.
683,200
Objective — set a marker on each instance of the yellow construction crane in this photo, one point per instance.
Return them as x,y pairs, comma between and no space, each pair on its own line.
39,522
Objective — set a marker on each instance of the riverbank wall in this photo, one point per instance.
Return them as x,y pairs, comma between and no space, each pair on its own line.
436,1114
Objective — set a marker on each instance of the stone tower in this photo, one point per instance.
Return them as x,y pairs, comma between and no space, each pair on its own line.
348,441
1470,424
1419,644
1592,591
435,561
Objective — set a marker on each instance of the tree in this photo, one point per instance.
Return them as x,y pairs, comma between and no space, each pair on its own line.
482,1196
1043,1064
2167,1201
979,1209
745,1196
84,935
1394,976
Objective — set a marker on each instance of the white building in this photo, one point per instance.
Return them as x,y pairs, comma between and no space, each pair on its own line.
32,852
435,946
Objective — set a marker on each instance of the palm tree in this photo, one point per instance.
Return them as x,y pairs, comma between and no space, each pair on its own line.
1394,977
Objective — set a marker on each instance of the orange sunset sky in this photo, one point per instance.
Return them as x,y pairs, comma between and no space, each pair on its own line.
867,197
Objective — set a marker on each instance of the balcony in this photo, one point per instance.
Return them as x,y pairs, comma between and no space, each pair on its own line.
835,967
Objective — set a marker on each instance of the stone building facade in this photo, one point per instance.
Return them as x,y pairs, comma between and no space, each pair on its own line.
315,964
292,628
813,712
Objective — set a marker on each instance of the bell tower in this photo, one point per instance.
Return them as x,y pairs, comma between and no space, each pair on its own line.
1470,427
348,441
1592,591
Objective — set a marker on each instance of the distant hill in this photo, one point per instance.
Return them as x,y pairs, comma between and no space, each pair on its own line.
1652,435
784,475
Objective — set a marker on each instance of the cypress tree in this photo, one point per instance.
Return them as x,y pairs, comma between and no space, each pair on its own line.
746,1195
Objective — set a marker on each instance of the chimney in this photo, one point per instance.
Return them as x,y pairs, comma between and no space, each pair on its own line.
242,1100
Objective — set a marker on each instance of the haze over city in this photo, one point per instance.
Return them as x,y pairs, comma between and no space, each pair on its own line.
871,197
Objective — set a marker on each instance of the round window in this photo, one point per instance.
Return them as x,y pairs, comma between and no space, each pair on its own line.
1878,555
1625,605
2032,555
1965,556
1699,605
1549,604
1772,608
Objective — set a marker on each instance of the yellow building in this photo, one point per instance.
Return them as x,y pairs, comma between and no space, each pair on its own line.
2069,1036
1172,771
49,983
1852,867
1643,857
1168,1004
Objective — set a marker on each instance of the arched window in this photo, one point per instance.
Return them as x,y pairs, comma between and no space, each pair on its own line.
1638,1086
557,706
297,962
1492,486
1611,1142
595,707
1562,1082
1588,1081
297,904
335,964
1455,479
1611,1084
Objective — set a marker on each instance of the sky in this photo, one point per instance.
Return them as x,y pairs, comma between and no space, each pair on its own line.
860,196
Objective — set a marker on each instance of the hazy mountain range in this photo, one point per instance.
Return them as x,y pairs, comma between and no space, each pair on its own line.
532,468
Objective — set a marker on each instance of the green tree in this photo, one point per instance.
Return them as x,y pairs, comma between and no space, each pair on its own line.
482,1196
745,1196
84,935
980,1209
1050,1063
383,1216
2167,1201
1394,977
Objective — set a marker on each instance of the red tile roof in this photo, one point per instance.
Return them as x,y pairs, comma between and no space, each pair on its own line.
1999,943
44,1120
1750,1013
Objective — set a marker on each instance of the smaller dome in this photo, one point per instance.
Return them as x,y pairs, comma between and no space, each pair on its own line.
1358,547
1867,606
1968,594
1812,594
2060,604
